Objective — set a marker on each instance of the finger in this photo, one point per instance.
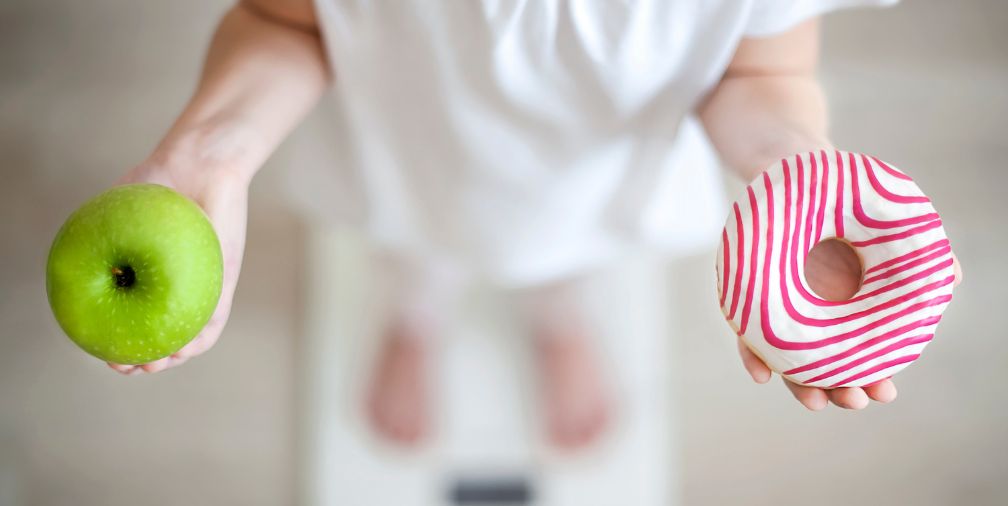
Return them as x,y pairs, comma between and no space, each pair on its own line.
157,365
176,360
848,398
753,364
121,368
192,348
202,342
883,391
812,398
168,362
957,270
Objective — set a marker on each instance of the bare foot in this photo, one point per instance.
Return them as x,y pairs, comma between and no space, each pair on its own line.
397,397
574,394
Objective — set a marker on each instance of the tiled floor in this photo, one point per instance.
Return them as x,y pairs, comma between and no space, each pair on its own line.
85,91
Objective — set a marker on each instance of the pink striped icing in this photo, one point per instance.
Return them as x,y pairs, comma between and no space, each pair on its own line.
891,224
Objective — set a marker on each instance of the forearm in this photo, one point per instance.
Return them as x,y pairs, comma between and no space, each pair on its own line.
260,78
754,121
769,104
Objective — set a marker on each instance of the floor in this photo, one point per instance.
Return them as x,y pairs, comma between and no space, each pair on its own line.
924,85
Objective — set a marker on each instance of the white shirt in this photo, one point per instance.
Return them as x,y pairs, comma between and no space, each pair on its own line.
532,139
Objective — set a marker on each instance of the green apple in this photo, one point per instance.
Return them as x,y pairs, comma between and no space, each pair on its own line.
134,274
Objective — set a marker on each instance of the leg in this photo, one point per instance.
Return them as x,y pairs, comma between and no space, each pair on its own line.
398,395
575,393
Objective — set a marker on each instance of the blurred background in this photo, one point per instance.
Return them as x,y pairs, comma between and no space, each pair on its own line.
86,88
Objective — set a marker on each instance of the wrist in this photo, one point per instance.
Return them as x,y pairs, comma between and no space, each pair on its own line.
785,145
215,151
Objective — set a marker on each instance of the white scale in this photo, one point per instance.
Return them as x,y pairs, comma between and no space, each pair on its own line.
488,446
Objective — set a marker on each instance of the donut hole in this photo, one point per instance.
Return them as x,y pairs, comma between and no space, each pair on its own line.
833,270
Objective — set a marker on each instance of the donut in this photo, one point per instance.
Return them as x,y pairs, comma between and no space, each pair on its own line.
906,259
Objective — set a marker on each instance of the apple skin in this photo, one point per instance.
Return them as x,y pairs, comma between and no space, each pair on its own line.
134,274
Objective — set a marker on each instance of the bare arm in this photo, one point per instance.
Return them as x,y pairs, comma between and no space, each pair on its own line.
769,103
264,71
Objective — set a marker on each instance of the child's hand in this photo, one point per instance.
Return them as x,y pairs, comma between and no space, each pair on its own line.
817,398
223,196
265,69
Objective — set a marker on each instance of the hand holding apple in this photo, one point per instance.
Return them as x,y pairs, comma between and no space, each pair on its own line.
222,195
134,274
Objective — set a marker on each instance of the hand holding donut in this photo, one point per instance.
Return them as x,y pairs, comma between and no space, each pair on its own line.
815,398
834,270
